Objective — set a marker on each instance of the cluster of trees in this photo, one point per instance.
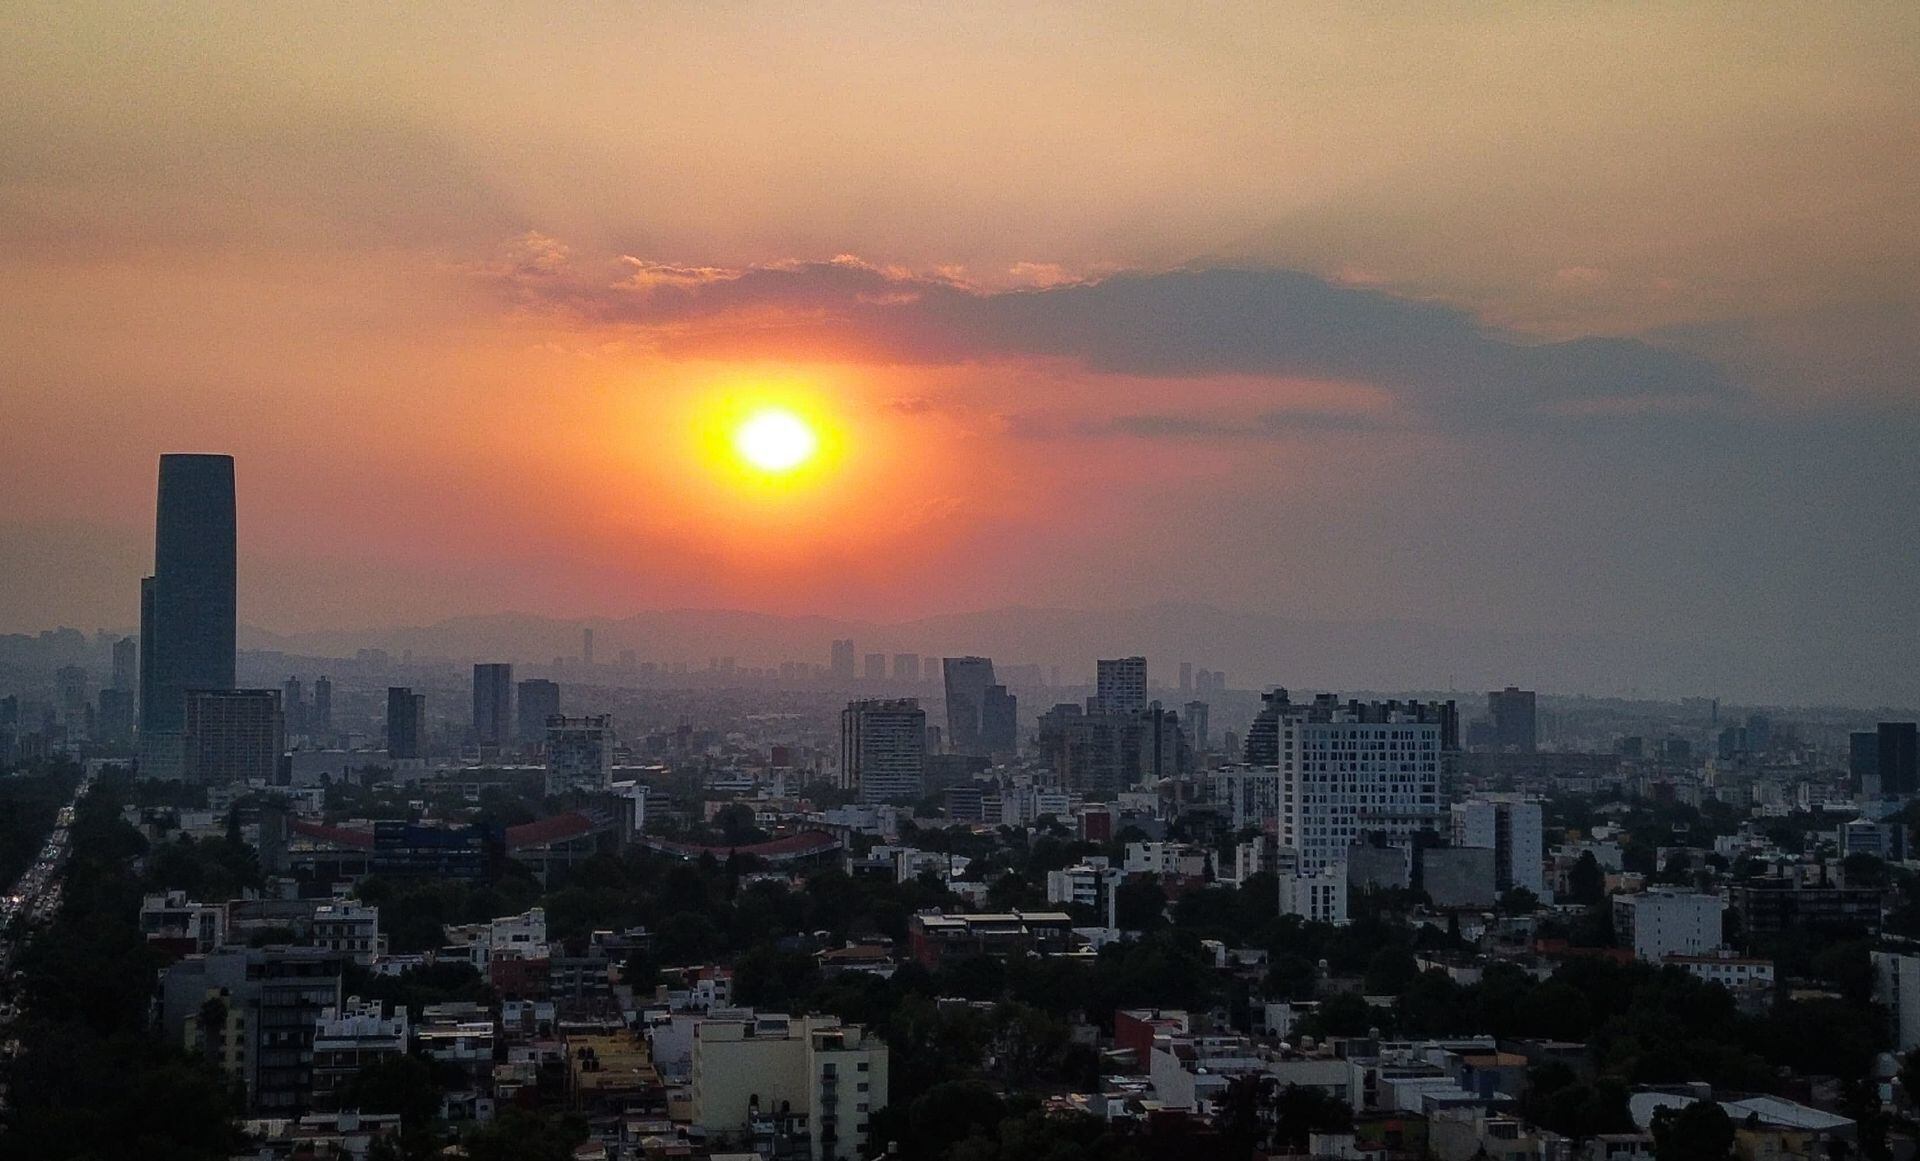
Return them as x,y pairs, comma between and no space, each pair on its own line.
91,1079
28,803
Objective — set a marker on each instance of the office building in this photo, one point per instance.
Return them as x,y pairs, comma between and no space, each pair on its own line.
126,665
1512,713
406,724
876,667
999,720
842,660
883,750
187,607
539,699
1896,988
293,704
1863,762
233,735
1895,754
1663,922
114,721
1513,829
967,679
906,667
1121,684
1186,677
1198,733
321,721
586,648
802,1086
492,704
580,754
267,1002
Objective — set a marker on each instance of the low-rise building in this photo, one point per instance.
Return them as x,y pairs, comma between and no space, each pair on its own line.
1664,922
356,1035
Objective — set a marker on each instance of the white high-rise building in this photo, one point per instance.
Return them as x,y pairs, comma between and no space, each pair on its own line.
883,750
1121,684
1350,770
1512,828
1341,771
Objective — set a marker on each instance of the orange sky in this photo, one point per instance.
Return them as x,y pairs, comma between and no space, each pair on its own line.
459,287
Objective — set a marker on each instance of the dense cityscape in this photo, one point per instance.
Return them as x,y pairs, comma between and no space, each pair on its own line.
887,580
882,904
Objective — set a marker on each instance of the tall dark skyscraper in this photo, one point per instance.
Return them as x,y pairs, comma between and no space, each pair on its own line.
1514,724
539,700
967,679
493,704
1863,760
322,720
1899,758
406,723
187,607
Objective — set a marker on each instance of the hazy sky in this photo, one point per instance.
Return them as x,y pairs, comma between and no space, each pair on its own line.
1544,317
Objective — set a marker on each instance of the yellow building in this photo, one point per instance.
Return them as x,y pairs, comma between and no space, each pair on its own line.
773,1080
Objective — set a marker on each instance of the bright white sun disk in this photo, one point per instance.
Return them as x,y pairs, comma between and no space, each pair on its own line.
775,441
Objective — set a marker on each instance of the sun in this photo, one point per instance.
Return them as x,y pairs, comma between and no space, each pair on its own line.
775,440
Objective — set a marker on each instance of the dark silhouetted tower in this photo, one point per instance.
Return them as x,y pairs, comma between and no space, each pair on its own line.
1514,723
539,700
493,704
1898,759
967,679
406,723
187,610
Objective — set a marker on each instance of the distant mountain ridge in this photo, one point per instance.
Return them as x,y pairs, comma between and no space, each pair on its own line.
1254,649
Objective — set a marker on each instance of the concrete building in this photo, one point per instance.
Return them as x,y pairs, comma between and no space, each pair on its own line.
537,700
172,917
1897,754
233,735
1351,770
1088,884
1250,796
883,750
906,667
1515,724
352,929
1318,895
1166,859
188,606
875,667
966,679
841,660
772,1080
1120,684
1513,829
358,1034
1459,877
256,1009
1896,987
580,754
493,704
406,724
1664,922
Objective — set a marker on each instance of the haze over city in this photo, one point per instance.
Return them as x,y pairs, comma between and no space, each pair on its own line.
1556,325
